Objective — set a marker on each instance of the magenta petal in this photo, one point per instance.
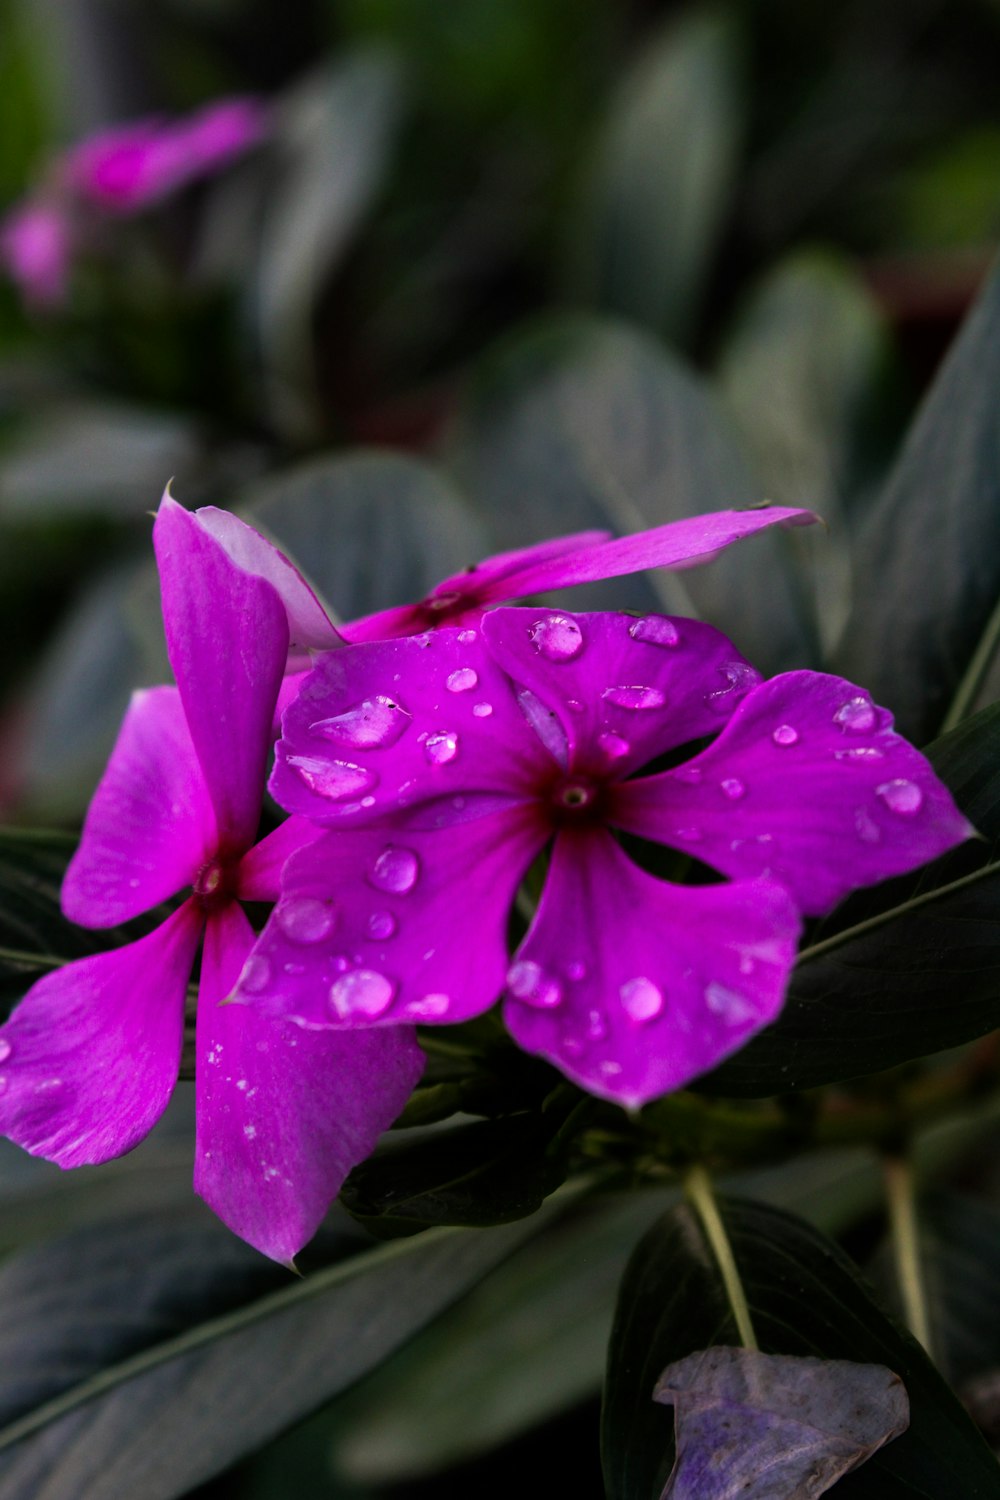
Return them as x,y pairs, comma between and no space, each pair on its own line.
376,927
37,241
150,826
309,625
284,1113
89,1058
389,724
227,639
259,874
632,986
623,689
809,785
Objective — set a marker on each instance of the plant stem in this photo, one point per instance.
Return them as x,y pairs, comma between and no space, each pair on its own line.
699,1190
900,1197
976,673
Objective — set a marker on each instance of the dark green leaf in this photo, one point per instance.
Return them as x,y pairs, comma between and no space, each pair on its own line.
805,1297
585,423
185,1405
927,564
907,968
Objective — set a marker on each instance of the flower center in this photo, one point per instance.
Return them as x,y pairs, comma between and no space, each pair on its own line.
576,799
215,885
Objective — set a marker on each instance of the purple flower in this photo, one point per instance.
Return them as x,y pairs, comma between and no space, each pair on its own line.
90,1057
447,762
36,247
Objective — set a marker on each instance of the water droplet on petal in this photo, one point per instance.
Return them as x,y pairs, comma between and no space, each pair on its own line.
546,725
691,774
856,715
866,827
574,705
332,778
381,925
395,870
304,919
740,678
557,637
610,1069
641,999
528,982
899,796
859,752
467,637
482,710
730,1007
690,835
613,746
362,992
462,680
250,1131
597,1027
441,746
5,1049
733,788
577,969
657,630
629,696
429,1008
256,975
571,1046
373,724
785,734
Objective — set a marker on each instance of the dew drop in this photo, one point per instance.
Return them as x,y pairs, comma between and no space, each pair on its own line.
859,752
466,637
610,1069
304,919
690,774
441,747
730,1007
361,992
373,724
657,630
571,1046
903,797
597,1028
256,975
866,827
557,637
641,999
528,982
740,678
250,1131
785,734
5,1049
429,1007
395,870
462,680
381,925
482,710
332,778
613,745
628,696
574,705
856,715
733,788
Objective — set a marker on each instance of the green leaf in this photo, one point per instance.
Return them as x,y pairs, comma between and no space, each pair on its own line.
490,1172
663,178
182,1406
904,969
584,423
805,1297
927,563
370,529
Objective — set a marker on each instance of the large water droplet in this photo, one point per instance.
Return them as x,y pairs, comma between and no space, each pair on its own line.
656,630
332,778
733,788
545,724
373,724
634,696
557,637
462,680
256,975
441,746
730,1007
381,925
641,999
866,827
482,710
5,1049
613,746
856,715
528,982
395,870
304,919
429,1007
362,992
467,637
740,678
899,796
785,734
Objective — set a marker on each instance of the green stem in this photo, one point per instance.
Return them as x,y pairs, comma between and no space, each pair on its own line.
906,1247
699,1190
975,673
